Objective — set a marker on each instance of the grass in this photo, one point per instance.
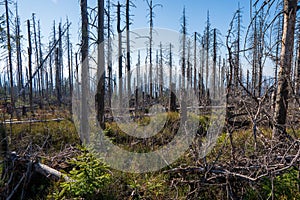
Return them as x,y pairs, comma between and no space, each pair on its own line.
50,138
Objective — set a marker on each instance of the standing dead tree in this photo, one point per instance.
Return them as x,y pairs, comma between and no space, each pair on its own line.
287,47
100,96
151,16
84,72
9,50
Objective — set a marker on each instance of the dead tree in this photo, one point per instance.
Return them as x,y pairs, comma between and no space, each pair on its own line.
128,48
109,50
297,70
19,54
195,62
214,63
151,7
40,59
120,51
60,61
172,96
84,72
57,77
9,50
161,76
287,47
29,65
100,96
183,70
207,49
70,67
37,60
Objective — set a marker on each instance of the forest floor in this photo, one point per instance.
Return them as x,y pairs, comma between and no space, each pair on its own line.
238,167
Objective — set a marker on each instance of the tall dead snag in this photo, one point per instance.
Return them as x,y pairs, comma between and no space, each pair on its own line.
120,50
9,59
70,67
128,48
60,61
161,76
57,77
195,61
287,47
109,57
100,96
40,59
297,71
19,55
183,70
151,7
237,54
150,45
214,63
172,96
207,48
29,65
37,60
84,72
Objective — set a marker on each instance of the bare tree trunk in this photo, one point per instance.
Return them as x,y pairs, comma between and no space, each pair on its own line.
69,67
84,73
161,78
150,49
138,65
128,49
120,51
237,57
297,72
19,56
40,61
100,96
109,62
172,96
281,107
207,47
195,62
214,64
9,59
60,61
183,93
37,60
57,77
29,65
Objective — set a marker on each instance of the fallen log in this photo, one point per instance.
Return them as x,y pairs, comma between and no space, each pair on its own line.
32,121
49,172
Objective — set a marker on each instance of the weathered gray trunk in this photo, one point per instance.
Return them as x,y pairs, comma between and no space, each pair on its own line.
84,73
100,96
286,55
29,65
9,59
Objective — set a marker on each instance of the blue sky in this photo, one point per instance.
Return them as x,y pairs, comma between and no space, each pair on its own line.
168,16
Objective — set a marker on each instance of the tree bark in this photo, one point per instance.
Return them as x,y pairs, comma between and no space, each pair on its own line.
10,60
100,96
84,73
281,107
120,51
29,65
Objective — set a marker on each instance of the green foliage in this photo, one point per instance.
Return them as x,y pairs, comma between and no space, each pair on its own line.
52,136
87,178
285,186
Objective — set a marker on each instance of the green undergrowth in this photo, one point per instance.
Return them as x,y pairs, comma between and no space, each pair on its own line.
90,178
48,137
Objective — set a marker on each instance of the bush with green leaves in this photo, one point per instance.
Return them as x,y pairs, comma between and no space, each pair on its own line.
88,177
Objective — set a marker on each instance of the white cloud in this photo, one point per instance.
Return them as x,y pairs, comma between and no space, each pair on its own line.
54,1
